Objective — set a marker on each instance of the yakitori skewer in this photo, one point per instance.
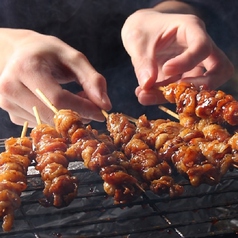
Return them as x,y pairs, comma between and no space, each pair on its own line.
60,186
14,162
218,147
214,163
132,120
152,172
98,154
194,103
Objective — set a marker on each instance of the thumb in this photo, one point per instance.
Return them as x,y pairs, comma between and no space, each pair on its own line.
146,71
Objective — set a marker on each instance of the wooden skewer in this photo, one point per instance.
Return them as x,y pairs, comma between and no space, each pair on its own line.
132,119
161,88
235,166
171,113
213,179
168,111
24,129
105,114
37,116
47,101
138,186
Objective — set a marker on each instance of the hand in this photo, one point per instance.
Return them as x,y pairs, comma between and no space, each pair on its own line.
165,48
30,60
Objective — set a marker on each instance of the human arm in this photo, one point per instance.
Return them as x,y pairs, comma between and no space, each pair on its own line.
169,42
30,60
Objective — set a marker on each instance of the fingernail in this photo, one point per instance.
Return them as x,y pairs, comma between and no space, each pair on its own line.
106,101
149,99
144,76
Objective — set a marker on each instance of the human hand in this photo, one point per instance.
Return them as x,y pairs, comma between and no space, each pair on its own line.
30,60
165,48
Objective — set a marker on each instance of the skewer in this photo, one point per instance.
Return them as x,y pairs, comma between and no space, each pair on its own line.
138,186
37,116
131,119
235,166
171,113
213,179
13,201
105,114
47,101
23,134
161,88
168,111
24,129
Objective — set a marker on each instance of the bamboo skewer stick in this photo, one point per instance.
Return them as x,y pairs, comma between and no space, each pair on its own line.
138,186
47,101
161,88
131,119
105,114
24,129
168,111
134,120
23,134
37,116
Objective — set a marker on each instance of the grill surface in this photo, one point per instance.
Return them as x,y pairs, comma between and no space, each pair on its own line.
206,211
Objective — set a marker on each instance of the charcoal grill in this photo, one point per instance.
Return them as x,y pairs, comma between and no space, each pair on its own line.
205,211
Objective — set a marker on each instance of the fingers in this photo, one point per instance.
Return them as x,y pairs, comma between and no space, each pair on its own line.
45,69
18,101
14,111
146,70
169,46
63,99
213,71
149,97
93,83
18,98
20,108
140,46
197,46
154,96
187,60
219,68
172,47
